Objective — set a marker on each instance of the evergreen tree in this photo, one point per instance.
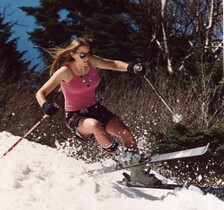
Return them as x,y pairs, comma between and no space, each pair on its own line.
104,21
12,63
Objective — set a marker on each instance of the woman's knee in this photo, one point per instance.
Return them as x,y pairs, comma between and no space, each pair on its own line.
92,125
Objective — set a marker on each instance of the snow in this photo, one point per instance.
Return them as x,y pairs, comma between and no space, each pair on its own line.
37,177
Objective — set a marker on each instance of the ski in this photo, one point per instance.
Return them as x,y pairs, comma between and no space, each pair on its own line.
180,154
212,190
161,158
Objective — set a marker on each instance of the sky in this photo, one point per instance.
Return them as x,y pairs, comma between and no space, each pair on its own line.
25,24
35,176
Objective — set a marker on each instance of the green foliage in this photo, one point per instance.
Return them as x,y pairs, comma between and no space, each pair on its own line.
183,138
205,64
179,137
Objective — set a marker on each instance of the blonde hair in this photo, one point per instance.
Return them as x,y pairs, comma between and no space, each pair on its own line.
61,55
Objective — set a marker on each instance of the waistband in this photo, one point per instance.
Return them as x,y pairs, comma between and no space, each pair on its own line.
69,114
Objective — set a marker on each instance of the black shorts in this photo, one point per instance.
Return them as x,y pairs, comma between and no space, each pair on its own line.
97,111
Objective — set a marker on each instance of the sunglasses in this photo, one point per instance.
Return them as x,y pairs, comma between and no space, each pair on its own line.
83,55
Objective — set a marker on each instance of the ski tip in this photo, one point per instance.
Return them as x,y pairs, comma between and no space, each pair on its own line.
206,147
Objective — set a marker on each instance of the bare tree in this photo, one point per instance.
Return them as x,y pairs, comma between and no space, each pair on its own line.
200,22
166,49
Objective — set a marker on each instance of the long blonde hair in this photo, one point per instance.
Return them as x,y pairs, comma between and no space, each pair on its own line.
63,54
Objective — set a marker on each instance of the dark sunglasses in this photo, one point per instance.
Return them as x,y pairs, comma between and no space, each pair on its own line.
83,55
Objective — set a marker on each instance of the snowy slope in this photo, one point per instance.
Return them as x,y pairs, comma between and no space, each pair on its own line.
36,177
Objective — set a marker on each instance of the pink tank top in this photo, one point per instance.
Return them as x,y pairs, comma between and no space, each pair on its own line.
76,92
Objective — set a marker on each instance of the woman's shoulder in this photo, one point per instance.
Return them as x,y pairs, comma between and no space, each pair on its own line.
94,61
64,73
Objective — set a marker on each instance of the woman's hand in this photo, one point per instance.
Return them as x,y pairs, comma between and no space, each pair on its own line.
50,108
137,68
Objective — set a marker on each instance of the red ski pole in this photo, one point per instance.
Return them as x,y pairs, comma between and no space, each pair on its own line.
25,135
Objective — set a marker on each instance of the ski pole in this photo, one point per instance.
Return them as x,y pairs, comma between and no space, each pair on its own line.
25,135
176,117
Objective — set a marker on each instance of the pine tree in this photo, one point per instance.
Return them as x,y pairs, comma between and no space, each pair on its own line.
12,63
105,22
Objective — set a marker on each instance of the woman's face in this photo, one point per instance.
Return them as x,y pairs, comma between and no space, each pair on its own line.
82,55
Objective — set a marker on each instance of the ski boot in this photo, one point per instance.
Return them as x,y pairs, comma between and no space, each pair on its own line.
138,177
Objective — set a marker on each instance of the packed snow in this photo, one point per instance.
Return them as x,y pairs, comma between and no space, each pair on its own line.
37,177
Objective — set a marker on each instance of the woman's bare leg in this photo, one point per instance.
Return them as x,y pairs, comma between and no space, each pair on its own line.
88,126
117,128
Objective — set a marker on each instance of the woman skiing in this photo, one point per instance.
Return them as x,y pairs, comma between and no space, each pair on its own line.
85,117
